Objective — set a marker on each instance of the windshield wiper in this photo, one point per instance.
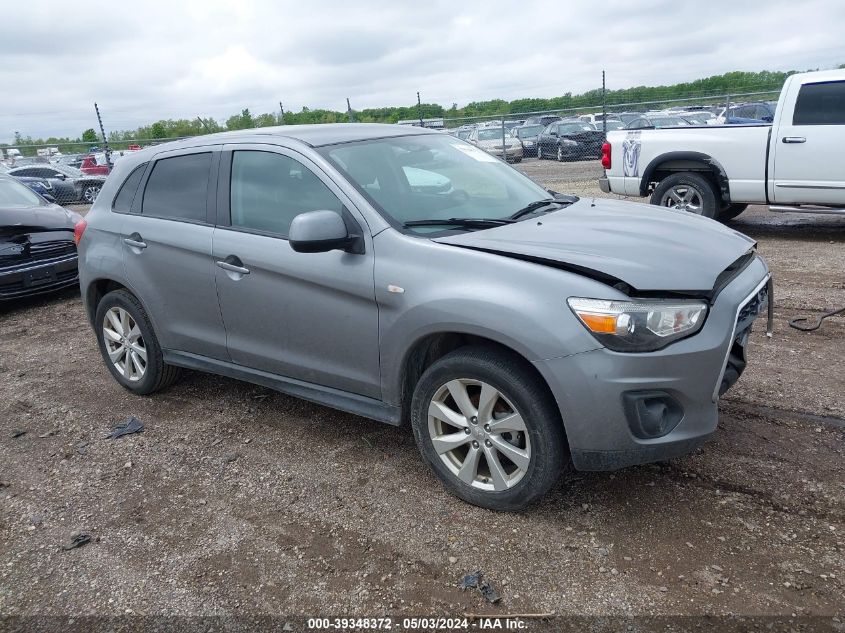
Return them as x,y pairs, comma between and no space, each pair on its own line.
481,223
534,206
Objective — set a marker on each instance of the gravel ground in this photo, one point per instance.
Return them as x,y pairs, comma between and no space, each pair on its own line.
236,500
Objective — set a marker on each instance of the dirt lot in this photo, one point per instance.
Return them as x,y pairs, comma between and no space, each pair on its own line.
237,500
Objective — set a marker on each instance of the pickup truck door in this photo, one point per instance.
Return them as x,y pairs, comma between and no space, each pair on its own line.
807,145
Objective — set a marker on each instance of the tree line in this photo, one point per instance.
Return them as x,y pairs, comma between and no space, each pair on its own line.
717,86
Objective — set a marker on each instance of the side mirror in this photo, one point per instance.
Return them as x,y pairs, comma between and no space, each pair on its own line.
319,232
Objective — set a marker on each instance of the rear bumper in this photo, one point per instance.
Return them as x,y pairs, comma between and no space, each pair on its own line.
604,184
34,278
595,389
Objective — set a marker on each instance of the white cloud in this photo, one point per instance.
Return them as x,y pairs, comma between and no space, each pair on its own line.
172,59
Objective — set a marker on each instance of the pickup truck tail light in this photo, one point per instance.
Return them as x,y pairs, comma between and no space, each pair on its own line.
605,155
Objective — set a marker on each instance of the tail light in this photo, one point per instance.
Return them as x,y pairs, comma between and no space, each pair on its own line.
78,230
605,155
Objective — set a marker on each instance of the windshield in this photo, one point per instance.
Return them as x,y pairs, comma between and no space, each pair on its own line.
15,195
490,134
668,121
431,177
569,128
67,170
529,130
611,125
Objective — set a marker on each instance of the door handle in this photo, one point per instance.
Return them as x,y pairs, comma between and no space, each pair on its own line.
135,241
232,264
794,139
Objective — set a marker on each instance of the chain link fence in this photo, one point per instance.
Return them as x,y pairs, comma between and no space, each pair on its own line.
577,134
73,172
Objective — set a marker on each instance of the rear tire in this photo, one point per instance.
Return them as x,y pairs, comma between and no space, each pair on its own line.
507,412
686,191
129,345
730,212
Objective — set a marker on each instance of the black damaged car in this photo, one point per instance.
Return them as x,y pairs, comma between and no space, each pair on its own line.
570,140
37,247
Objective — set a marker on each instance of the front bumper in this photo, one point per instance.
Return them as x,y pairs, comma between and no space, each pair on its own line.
593,388
510,152
37,277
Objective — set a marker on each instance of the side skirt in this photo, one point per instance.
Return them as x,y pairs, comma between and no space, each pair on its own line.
334,398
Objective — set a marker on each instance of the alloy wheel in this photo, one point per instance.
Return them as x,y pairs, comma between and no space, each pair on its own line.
479,435
560,153
90,194
124,344
683,198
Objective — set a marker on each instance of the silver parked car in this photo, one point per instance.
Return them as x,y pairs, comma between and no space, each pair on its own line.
408,276
490,139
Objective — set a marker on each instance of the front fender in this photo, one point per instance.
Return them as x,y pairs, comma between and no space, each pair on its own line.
448,289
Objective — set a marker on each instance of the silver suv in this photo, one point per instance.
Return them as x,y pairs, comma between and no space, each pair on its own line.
408,276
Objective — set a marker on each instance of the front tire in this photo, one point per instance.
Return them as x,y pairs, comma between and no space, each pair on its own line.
489,428
129,346
731,211
686,192
559,154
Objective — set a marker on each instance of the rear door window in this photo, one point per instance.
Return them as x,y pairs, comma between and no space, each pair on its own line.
820,104
178,188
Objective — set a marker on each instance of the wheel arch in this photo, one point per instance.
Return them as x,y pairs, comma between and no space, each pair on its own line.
99,288
679,162
431,347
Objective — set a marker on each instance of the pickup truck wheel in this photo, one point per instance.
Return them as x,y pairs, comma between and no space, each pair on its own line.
488,428
559,154
731,211
686,192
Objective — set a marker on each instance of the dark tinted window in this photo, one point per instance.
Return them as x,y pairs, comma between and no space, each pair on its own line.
268,190
123,200
820,104
26,172
178,188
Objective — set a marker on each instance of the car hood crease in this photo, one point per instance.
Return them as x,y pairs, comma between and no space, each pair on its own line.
647,247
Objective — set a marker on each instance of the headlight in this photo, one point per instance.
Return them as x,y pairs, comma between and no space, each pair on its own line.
639,326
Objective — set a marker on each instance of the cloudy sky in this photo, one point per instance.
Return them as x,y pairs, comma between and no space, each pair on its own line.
144,61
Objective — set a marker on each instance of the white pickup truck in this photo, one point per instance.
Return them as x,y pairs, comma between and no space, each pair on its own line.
795,164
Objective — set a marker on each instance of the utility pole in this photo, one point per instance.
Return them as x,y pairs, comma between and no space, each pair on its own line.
419,108
603,106
282,108
349,111
103,133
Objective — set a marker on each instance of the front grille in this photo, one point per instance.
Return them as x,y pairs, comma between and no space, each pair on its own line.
27,252
751,310
48,250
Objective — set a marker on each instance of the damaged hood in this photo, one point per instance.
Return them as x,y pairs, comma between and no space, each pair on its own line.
48,217
647,247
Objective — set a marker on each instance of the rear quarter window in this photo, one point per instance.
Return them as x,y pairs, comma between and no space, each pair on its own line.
820,104
123,200
178,188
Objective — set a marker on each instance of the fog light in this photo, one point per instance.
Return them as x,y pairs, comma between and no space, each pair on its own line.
651,414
